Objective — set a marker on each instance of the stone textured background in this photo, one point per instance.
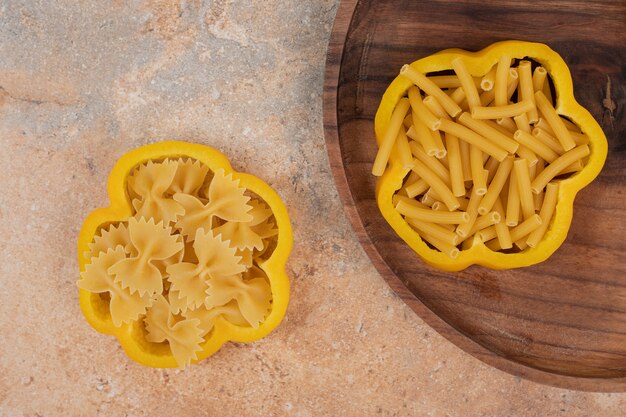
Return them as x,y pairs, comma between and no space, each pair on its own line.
83,82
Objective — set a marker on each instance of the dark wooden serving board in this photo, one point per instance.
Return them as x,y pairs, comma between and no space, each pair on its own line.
562,322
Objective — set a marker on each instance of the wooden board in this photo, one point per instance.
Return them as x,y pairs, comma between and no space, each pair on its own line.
562,322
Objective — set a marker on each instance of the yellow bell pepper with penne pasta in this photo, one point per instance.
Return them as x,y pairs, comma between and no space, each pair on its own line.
496,162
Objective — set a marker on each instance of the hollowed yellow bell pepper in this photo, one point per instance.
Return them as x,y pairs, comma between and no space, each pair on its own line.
478,64
130,336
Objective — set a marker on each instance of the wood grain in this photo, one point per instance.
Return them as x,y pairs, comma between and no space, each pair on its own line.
562,322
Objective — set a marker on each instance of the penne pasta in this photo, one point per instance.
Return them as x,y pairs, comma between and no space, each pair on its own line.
539,78
434,230
579,138
555,121
433,105
501,229
389,138
473,138
449,81
432,163
420,133
467,82
496,137
546,212
431,88
574,167
442,246
486,98
428,200
507,123
522,178
521,244
416,188
488,80
458,95
548,92
521,122
495,187
410,201
457,181
548,140
525,228
497,126
487,233
433,216
432,193
518,233
464,148
531,142
502,81
412,178
437,184
478,173
441,149
513,202
403,149
553,169
497,112
538,197
485,221
526,91
527,154
472,209
513,83
420,110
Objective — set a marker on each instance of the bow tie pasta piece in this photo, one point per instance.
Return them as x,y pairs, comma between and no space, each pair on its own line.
163,264
250,234
173,267
253,296
227,201
196,216
152,242
184,336
110,237
124,306
189,178
215,258
188,288
147,187
230,312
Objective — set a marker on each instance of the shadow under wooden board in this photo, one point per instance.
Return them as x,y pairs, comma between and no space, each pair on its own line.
561,322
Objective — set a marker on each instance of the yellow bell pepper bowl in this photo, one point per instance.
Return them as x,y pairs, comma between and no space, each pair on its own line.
478,64
132,336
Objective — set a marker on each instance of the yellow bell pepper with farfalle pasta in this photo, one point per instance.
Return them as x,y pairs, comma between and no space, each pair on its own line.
189,255
510,153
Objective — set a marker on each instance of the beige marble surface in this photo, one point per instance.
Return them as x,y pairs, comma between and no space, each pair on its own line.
83,82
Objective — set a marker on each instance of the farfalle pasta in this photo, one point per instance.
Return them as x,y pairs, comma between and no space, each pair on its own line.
189,254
